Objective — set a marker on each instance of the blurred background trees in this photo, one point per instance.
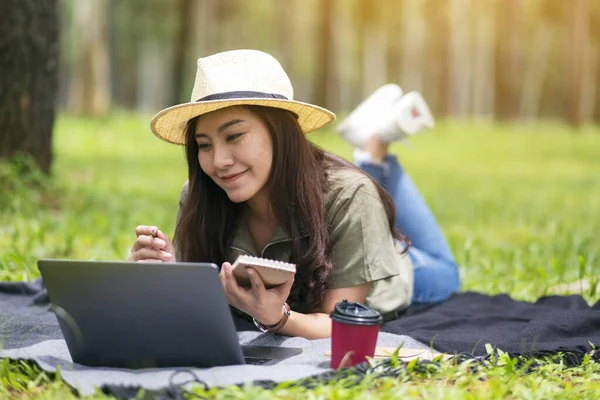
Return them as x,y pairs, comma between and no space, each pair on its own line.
501,59
505,60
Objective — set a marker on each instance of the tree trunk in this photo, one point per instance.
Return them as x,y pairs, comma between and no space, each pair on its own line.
483,62
596,108
323,46
595,60
536,70
181,48
509,59
393,14
590,84
227,23
284,24
29,45
437,56
343,71
459,58
154,84
90,90
595,85
360,16
205,37
413,45
373,49
576,62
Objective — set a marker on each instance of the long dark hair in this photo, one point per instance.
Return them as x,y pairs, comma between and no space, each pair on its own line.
297,185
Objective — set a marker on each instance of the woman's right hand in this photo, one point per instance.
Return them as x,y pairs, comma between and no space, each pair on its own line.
148,248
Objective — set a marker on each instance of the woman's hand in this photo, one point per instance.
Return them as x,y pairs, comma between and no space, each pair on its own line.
152,245
265,305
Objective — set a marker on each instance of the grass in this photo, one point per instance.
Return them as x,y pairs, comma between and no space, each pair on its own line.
519,205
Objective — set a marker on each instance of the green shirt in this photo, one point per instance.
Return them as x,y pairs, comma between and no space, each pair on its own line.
363,247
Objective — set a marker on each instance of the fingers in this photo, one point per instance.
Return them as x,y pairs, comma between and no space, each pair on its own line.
257,301
149,241
223,277
146,253
256,282
289,283
284,289
160,236
236,295
151,244
151,231
148,230
231,284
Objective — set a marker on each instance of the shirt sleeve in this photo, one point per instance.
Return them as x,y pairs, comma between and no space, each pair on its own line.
364,249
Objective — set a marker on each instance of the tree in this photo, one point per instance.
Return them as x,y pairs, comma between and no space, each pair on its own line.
90,87
482,102
374,45
509,58
537,66
324,48
29,51
577,59
181,46
437,56
459,57
413,45
392,17
595,35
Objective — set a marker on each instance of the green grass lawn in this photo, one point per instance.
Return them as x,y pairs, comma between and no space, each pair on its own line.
520,206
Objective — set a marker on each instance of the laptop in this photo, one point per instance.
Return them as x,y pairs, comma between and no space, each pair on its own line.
146,315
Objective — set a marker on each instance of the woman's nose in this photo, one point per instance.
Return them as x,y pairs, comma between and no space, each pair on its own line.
222,157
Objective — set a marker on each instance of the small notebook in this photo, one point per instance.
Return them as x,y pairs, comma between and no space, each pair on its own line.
273,273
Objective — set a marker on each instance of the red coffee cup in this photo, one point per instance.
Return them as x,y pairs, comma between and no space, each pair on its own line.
354,331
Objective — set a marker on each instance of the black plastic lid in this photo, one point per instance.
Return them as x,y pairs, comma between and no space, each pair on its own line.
355,314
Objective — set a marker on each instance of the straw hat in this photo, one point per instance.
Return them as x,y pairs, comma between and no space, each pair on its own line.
235,78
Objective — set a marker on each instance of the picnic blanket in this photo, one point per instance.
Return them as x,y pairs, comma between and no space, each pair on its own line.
467,321
29,331
463,324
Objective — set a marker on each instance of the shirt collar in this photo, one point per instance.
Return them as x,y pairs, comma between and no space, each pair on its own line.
243,240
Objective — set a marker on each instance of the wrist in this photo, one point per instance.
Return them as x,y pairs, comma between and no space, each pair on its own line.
277,325
271,321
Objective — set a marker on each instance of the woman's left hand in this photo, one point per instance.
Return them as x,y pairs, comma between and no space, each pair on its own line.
265,305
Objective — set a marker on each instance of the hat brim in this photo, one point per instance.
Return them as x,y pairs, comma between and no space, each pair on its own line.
170,123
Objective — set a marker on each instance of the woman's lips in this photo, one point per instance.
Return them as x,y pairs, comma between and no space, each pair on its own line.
231,178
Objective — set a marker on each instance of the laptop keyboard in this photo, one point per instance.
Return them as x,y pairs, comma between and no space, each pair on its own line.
256,360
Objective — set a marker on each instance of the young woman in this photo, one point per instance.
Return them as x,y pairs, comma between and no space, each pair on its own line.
257,186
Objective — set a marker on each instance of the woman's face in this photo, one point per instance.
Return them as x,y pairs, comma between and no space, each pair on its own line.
235,149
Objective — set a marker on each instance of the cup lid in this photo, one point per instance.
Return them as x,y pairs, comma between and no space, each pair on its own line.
355,314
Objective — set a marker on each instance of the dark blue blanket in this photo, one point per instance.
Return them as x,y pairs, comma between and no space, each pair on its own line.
467,321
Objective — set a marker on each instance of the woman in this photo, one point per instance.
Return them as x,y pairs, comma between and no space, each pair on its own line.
257,186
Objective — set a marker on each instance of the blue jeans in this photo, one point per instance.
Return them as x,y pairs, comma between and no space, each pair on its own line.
436,272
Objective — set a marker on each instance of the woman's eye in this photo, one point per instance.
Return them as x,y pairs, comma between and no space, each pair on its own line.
203,146
234,137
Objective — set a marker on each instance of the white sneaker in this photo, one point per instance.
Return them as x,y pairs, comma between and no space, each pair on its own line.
375,115
412,115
